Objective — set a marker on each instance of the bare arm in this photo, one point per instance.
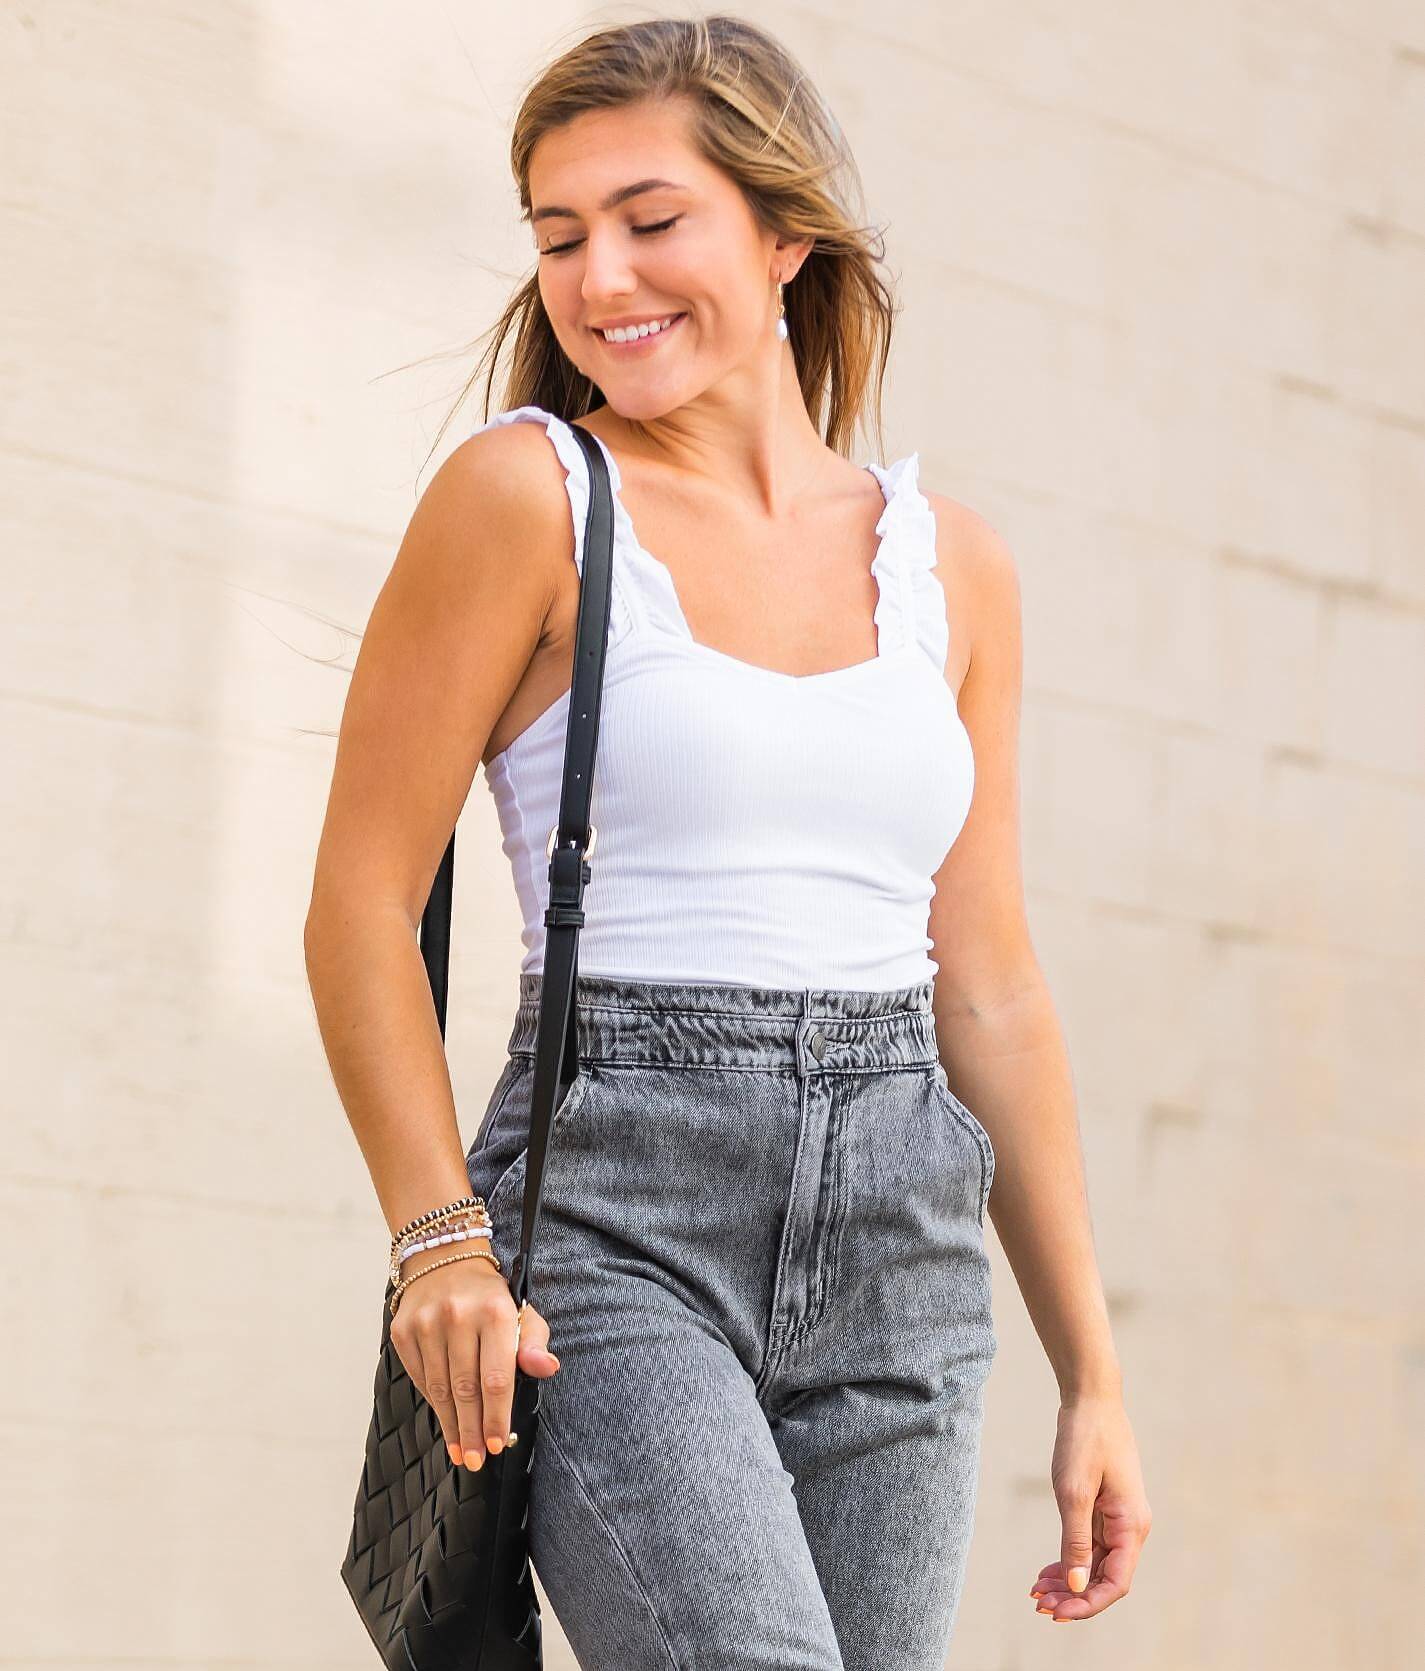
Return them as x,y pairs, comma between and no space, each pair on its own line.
995,1018
1005,1052
465,608
450,636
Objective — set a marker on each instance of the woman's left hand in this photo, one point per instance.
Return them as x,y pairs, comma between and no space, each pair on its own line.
1098,1485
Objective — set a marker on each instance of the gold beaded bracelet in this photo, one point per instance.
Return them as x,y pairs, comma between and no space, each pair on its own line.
450,1259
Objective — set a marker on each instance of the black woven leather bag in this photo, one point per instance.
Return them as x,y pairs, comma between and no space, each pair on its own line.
438,1561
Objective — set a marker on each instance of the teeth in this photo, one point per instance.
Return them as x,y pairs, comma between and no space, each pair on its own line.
631,333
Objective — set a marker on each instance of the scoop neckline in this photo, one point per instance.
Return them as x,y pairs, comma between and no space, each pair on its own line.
881,658
887,658
684,634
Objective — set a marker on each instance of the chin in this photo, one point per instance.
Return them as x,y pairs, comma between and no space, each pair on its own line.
639,405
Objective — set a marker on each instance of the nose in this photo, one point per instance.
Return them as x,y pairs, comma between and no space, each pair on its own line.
607,274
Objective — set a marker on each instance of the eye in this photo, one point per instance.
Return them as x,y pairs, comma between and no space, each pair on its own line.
643,231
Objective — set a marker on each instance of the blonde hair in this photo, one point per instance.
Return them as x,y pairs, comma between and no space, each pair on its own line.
756,116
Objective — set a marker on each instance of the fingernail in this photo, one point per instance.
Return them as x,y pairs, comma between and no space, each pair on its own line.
1078,1578
455,1456
474,1460
495,1445
1043,1609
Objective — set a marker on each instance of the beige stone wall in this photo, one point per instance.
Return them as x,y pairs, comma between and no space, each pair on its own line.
1163,269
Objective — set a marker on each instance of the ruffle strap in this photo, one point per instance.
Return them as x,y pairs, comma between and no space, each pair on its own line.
911,605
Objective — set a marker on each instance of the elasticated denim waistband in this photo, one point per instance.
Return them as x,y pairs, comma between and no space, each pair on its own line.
723,1025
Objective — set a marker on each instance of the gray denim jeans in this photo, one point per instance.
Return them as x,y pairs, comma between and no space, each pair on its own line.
761,1255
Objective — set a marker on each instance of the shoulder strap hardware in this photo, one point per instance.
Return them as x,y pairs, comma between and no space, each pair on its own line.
549,845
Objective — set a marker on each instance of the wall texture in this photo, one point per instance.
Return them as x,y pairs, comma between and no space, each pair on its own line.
1158,264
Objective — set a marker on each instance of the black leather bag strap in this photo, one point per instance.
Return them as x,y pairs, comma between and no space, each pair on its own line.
556,1053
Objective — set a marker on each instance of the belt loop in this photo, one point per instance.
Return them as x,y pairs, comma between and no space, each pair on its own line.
811,1038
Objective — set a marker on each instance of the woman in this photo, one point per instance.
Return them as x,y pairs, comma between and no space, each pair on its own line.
761,1253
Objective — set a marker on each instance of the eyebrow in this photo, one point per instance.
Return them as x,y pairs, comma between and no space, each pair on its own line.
553,211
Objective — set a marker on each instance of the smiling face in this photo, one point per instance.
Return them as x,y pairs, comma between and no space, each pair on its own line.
635,227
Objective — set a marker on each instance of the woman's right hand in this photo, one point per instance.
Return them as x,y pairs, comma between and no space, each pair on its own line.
454,1331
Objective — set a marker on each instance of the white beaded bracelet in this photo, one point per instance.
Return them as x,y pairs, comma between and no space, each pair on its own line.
440,1241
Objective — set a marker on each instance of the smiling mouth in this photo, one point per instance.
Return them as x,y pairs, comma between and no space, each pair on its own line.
645,341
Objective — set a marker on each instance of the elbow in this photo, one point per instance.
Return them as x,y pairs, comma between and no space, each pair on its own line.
337,925
315,935
325,925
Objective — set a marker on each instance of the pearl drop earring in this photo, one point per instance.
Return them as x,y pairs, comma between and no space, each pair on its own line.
781,315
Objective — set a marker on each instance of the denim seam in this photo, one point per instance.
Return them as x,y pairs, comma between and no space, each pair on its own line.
782,1332
969,1123
500,1107
506,1176
561,1114
829,1216
836,1226
589,1007
788,1066
546,1431
677,1062
852,1070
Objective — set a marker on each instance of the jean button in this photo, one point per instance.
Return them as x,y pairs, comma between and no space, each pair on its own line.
817,1044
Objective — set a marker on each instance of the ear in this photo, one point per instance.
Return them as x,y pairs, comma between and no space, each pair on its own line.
788,257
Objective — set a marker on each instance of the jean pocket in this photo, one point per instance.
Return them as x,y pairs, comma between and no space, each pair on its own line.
515,1069
510,1148
982,1138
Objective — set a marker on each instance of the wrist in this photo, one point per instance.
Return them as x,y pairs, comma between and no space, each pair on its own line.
414,1203
458,1230
427,1257
1103,1384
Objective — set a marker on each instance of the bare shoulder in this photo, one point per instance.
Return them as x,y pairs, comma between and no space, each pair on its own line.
976,566
486,563
501,494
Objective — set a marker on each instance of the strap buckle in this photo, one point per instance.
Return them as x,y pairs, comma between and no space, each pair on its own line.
554,834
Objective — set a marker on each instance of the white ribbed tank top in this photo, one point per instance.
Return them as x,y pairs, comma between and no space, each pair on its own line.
753,826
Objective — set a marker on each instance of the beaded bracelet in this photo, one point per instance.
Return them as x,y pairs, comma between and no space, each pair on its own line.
437,1212
474,1232
460,1214
451,1224
450,1259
